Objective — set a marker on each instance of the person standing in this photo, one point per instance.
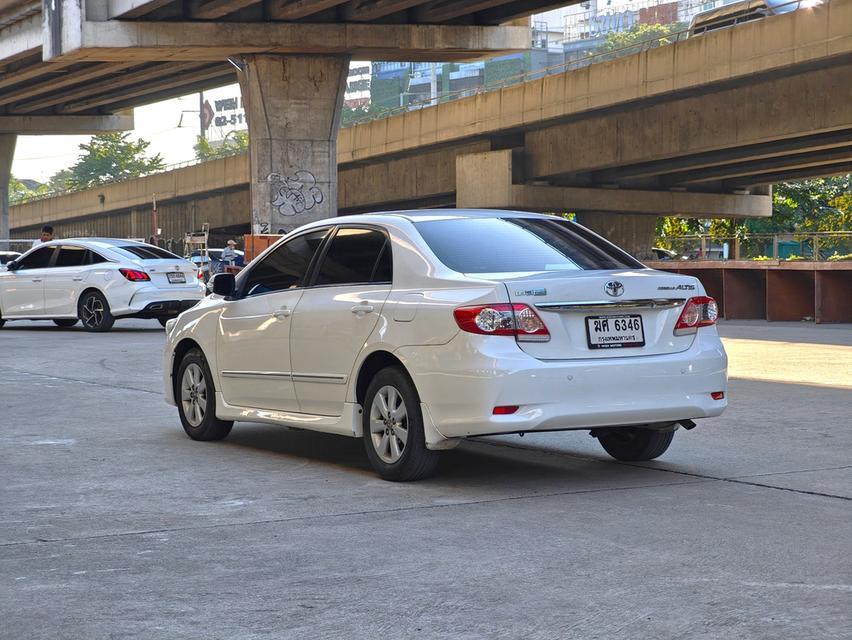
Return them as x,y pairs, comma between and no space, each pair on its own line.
229,254
46,235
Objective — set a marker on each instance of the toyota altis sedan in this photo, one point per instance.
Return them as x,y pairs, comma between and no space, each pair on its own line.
97,281
414,330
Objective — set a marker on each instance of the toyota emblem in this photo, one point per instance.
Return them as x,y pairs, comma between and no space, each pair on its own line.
614,288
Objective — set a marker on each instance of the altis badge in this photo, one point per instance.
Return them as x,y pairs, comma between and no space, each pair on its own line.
531,292
679,287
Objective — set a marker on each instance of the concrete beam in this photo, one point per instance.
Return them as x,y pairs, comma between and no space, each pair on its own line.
134,8
58,125
297,9
366,10
218,8
173,41
486,180
20,38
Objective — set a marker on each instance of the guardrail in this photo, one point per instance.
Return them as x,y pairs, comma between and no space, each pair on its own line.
789,247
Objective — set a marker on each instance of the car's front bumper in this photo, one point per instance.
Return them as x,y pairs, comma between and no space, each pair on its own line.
461,383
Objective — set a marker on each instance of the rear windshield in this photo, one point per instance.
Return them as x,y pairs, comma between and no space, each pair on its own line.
502,245
149,252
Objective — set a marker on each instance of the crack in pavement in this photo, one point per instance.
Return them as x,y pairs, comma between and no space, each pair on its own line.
343,514
87,382
733,479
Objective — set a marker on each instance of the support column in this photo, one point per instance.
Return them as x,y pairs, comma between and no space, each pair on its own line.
7,153
293,105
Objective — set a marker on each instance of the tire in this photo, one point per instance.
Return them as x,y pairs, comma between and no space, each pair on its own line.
634,444
93,311
66,323
397,451
195,395
2,321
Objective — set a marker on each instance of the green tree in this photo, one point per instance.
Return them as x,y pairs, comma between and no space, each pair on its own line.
234,143
631,41
19,191
112,156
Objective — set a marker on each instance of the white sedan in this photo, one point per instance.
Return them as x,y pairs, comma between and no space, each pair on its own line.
414,330
96,281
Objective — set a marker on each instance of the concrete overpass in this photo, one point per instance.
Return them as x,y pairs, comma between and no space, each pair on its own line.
78,66
697,128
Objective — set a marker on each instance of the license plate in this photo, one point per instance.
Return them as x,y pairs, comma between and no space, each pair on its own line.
615,332
176,277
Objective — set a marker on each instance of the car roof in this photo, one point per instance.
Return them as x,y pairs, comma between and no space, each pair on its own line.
426,215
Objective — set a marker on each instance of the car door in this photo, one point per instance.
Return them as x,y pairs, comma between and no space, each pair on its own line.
337,314
23,289
253,343
64,282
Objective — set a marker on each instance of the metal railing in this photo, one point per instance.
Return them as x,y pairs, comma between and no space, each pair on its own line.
790,247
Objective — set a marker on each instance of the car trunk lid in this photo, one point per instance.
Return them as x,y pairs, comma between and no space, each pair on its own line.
605,314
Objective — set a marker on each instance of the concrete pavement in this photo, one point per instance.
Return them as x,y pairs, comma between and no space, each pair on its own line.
115,525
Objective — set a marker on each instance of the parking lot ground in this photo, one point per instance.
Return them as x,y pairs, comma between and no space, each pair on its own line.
113,524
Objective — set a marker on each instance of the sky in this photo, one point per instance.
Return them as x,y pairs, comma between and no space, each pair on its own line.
171,127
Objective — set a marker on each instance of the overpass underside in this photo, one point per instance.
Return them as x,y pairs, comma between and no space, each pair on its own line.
699,128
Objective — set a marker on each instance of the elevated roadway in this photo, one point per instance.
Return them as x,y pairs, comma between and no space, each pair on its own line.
697,128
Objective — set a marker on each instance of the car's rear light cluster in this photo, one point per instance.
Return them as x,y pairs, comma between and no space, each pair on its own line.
135,275
200,274
517,320
701,311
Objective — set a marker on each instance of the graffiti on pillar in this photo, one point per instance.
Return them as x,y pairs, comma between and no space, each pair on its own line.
292,195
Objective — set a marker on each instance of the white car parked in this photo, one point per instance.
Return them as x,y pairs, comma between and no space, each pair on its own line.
96,281
416,329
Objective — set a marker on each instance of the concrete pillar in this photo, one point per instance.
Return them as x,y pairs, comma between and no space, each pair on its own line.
293,107
7,153
633,233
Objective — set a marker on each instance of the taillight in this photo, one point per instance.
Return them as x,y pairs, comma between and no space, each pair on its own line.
200,274
134,276
701,311
517,320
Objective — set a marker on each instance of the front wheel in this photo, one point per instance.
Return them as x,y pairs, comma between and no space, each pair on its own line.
393,428
634,444
93,311
196,399
66,323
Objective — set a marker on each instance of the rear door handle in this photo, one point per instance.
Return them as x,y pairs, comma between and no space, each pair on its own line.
362,308
36,279
77,279
282,313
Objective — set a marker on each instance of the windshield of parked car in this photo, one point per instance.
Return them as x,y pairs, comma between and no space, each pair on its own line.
503,245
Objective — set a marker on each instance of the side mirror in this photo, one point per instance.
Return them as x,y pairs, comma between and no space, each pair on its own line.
224,284
12,265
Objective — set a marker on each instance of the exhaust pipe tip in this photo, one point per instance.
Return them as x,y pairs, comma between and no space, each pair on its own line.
687,424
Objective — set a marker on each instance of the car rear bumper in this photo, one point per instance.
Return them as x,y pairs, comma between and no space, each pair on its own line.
463,381
161,303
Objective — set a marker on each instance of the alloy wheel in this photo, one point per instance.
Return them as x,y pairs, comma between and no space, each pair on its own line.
92,311
388,424
193,394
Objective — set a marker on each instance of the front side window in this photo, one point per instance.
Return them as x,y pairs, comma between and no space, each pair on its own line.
504,245
38,259
70,256
354,256
286,267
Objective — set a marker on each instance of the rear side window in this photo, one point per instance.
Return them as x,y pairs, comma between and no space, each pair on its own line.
71,257
38,259
286,267
95,258
354,257
150,252
502,245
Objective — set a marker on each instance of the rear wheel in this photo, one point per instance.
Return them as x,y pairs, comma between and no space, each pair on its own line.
2,321
93,311
66,323
196,399
634,444
393,428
